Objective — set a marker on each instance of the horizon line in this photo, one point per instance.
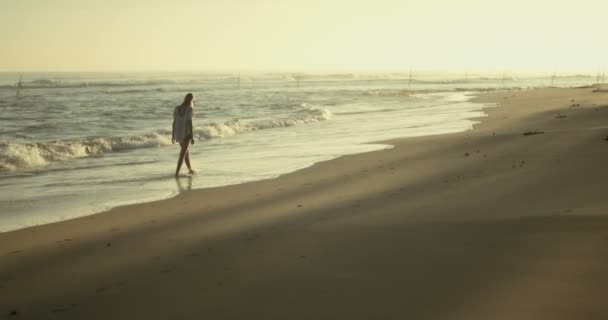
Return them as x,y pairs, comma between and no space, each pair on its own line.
315,70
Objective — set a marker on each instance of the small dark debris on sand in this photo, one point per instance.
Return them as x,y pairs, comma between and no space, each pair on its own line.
575,105
109,244
466,154
12,313
560,116
606,138
529,133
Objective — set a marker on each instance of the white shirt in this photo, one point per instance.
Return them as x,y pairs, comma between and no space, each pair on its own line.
181,124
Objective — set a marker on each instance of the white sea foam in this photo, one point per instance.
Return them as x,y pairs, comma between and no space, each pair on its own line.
235,127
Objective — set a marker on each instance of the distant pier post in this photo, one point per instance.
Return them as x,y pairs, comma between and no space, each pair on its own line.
19,85
409,82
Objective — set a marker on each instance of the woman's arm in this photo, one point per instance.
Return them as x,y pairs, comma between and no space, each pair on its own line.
191,130
173,132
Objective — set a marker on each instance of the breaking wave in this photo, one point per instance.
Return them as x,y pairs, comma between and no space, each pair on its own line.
234,127
16,156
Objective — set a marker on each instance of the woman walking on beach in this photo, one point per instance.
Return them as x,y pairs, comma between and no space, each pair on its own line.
182,131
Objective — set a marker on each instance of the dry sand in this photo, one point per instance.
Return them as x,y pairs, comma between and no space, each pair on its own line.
484,224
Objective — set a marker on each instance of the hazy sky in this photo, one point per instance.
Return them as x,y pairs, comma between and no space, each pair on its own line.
74,35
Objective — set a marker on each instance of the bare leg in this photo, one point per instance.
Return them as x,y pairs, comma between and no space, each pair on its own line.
187,159
182,154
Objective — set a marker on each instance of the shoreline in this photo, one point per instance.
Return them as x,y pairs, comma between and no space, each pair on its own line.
498,224
185,183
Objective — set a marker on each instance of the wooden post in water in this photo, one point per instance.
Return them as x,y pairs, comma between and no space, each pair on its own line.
19,85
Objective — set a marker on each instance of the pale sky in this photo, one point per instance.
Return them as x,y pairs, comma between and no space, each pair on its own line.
111,35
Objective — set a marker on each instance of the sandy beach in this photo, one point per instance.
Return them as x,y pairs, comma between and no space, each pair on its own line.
505,221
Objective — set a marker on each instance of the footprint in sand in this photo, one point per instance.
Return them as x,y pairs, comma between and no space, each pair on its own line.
64,309
168,269
251,238
60,310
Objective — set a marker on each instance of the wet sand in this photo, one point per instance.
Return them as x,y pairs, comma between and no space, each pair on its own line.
506,221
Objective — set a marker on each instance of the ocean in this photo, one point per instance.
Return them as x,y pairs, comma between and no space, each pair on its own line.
75,144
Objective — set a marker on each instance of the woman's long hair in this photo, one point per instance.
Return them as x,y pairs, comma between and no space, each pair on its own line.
188,99
188,103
